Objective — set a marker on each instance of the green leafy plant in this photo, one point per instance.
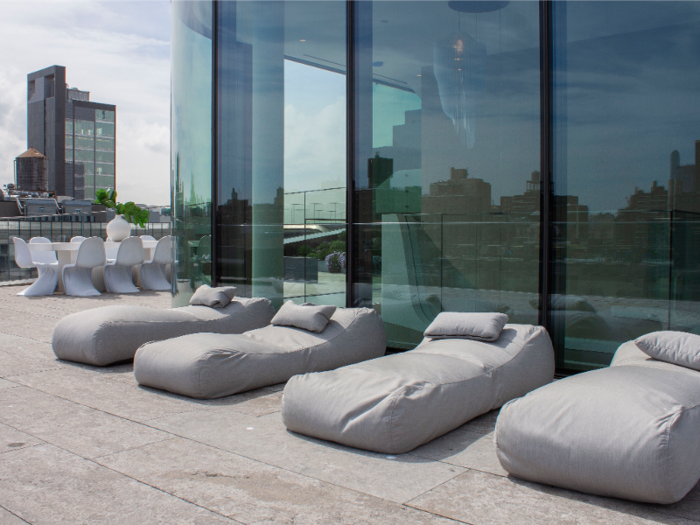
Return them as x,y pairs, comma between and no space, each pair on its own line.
304,250
130,211
338,246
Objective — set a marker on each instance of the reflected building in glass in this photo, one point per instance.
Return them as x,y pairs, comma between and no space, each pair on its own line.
419,157
77,136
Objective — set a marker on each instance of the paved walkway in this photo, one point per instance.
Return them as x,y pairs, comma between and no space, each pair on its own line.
80,444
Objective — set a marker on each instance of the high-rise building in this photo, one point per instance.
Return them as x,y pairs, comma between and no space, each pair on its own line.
77,136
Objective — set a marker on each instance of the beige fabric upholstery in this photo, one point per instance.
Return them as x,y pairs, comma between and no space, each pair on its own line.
629,431
310,317
208,366
213,297
401,401
480,326
113,333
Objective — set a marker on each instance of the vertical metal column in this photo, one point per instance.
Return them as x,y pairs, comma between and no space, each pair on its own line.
546,162
214,144
350,238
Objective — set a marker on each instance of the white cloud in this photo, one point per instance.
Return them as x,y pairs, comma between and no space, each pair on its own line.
118,51
314,149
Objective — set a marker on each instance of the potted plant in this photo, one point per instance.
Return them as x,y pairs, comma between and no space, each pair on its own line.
118,228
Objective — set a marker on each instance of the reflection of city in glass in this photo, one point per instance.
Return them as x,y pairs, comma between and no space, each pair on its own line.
90,149
448,204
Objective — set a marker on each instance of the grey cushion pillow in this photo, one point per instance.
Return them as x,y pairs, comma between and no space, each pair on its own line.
313,318
679,348
469,325
213,297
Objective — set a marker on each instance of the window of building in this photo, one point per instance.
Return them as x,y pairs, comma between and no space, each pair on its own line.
105,144
84,127
104,129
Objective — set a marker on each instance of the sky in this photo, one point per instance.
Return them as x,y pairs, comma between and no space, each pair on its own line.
117,50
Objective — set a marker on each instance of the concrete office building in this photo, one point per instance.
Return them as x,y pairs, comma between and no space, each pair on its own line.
462,156
77,136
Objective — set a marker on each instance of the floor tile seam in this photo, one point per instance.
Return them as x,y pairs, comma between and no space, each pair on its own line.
140,482
93,408
22,448
293,472
163,491
27,338
15,515
454,520
458,465
408,501
9,378
43,441
169,414
35,311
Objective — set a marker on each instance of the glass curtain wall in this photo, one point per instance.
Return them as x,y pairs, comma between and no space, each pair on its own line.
281,150
626,175
104,152
447,187
191,145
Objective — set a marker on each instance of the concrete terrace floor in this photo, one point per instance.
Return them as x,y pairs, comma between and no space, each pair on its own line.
80,444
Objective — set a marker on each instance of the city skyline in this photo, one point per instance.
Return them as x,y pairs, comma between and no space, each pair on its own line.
120,52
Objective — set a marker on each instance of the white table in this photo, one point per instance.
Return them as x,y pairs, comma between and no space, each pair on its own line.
66,253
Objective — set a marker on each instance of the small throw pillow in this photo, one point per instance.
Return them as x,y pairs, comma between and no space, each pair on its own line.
469,325
679,348
213,297
313,318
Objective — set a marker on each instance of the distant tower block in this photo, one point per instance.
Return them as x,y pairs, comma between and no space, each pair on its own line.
31,172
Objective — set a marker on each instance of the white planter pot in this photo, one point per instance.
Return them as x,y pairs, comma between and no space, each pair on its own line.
118,229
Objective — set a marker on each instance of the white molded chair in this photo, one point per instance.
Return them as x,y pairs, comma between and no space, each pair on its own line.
151,274
78,238
168,266
77,277
45,263
115,276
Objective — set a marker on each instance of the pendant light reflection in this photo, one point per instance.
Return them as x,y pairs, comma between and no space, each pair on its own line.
458,63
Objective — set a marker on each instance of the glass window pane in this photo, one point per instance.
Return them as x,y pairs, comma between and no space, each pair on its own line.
191,50
104,156
69,126
448,153
104,181
627,204
105,144
69,142
282,149
84,143
84,127
105,129
105,169
84,155
101,114
88,167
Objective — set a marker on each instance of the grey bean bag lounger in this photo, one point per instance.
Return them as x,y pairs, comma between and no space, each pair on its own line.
110,334
396,403
629,431
207,366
